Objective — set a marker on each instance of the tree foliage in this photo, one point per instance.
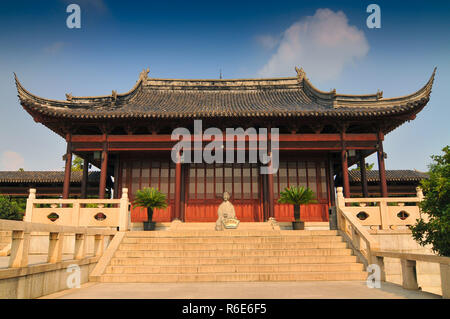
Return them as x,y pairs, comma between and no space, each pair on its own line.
436,203
10,209
297,195
369,167
150,198
77,164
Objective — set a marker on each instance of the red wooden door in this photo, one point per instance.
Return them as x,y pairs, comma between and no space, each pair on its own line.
206,184
160,174
310,173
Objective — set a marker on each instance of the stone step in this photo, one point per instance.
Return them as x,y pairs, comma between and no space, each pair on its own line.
236,252
231,239
244,226
236,277
230,232
212,226
229,246
193,269
173,261
194,255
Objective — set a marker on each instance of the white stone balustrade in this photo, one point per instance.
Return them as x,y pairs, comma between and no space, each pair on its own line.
409,270
28,277
383,216
21,235
382,213
113,213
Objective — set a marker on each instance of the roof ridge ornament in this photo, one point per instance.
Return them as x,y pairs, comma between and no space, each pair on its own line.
144,74
379,94
69,97
300,73
113,97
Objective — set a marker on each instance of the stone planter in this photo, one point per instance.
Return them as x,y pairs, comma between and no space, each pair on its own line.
149,225
298,225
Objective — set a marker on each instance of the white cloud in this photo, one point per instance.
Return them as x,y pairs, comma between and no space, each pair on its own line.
267,41
322,44
54,48
11,161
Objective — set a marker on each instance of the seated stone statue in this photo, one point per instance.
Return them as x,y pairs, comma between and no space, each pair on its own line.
226,214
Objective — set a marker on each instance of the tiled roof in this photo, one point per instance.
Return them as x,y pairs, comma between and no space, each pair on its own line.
45,177
279,97
391,176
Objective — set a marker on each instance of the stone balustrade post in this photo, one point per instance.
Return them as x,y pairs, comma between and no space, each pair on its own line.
76,213
80,246
419,193
380,262
340,203
384,214
445,280
356,239
420,197
19,249
30,204
340,199
123,210
55,247
98,245
409,274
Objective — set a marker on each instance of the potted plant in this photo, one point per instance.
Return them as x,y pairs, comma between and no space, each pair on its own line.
150,198
297,195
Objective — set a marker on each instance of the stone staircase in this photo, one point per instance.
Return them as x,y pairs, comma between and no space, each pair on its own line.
198,255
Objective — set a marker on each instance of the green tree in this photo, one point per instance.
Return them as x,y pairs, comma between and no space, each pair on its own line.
369,167
297,195
77,164
150,198
9,209
436,231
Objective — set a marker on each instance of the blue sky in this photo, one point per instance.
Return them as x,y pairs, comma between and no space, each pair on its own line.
197,39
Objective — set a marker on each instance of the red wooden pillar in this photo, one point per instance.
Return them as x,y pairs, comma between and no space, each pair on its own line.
103,172
177,213
270,190
84,179
362,168
381,167
345,180
68,168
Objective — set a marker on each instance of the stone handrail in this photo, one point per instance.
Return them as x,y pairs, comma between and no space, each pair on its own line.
359,237
112,213
363,242
409,270
21,236
379,213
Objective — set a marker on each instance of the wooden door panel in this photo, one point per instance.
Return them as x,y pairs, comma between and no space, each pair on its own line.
139,214
201,212
308,213
207,212
248,212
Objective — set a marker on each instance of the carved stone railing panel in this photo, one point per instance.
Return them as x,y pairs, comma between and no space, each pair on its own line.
79,212
21,233
381,212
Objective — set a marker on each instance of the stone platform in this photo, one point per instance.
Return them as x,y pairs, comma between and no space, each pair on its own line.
242,290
